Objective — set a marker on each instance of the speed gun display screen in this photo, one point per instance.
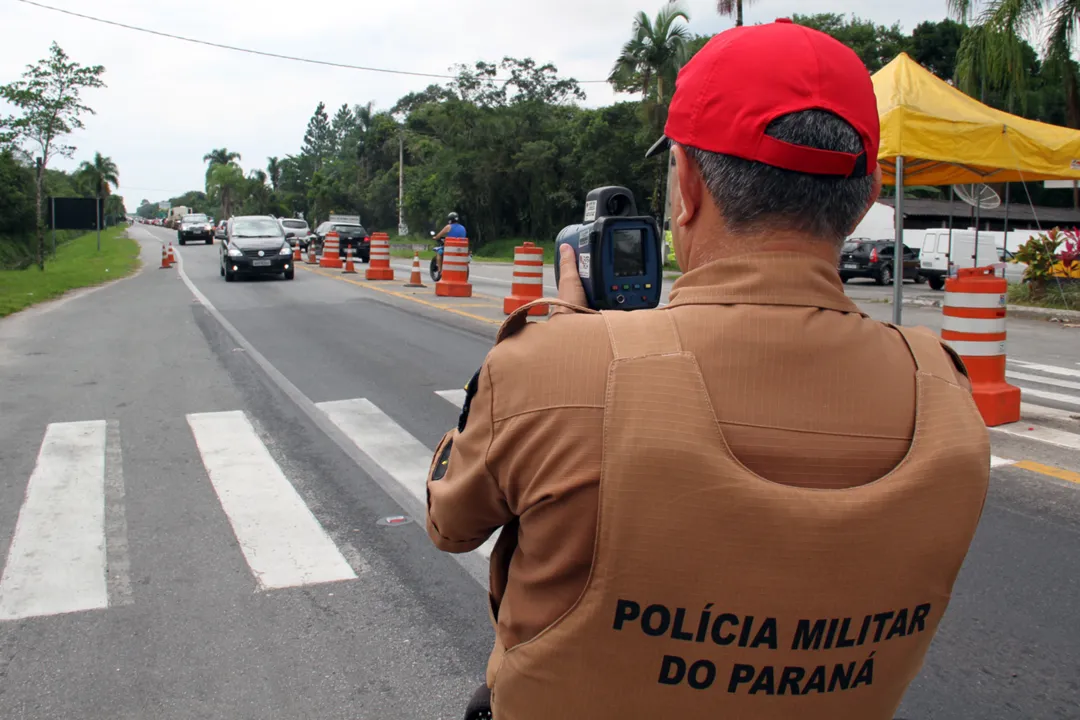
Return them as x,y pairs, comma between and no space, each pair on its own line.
629,251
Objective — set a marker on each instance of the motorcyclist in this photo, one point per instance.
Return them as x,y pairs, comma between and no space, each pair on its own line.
453,229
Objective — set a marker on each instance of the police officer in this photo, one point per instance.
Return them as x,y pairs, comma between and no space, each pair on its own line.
754,501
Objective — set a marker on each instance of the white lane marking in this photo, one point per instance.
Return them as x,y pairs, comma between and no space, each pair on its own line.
1043,380
56,562
1000,462
118,561
283,543
454,397
1041,433
1052,369
392,447
1057,397
1043,412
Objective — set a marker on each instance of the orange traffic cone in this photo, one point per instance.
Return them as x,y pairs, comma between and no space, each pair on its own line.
414,279
164,258
296,253
172,255
349,269
311,253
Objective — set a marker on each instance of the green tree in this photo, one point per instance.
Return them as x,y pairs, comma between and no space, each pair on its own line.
273,170
876,45
654,53
319,138
49,106
732,7
219,156
100,176
992,53
934,45
226,182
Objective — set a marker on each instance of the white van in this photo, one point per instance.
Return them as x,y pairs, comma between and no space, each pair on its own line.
935,256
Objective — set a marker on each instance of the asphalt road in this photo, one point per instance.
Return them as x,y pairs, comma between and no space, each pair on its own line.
214,598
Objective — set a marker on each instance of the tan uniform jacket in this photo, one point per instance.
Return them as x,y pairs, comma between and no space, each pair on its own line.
808,391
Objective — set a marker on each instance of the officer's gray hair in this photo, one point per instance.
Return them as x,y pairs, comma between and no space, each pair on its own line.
754,197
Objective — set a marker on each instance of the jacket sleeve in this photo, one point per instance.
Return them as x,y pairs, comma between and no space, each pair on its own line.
465,504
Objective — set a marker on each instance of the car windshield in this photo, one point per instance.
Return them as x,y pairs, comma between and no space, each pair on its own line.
256,228
349,228
294,224
196,219
851,246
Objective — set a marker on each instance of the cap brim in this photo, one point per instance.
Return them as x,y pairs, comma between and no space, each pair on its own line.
661,145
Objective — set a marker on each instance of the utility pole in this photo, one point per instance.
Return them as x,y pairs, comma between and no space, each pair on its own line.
401,182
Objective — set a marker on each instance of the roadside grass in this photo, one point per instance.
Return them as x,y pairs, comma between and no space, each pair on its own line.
77,264
1065,296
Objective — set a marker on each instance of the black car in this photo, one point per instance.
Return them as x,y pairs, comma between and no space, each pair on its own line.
874,259
354,236
255,245
195,227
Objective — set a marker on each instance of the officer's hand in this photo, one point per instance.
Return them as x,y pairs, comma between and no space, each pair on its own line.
570,287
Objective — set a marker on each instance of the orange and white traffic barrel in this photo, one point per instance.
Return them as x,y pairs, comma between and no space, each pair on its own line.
379,260
528,284
974,326
331,251
455,269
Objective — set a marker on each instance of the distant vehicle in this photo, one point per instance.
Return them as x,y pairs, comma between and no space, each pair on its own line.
1014,271
296,231
195,227
349,235
255,245
936,256
874,259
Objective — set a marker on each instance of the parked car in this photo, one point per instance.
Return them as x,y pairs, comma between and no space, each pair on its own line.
296,230
254,245
354,236
1014,271
195,227
873,259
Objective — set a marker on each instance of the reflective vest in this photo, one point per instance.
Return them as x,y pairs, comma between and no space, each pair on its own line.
715,593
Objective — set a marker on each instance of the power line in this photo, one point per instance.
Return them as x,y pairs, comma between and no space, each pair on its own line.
249,51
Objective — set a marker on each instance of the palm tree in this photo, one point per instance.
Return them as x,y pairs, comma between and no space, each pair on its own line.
100,175
992,49
226,179
655,52
219,156
735,7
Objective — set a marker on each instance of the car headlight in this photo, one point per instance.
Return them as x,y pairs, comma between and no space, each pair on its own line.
285,250
235,251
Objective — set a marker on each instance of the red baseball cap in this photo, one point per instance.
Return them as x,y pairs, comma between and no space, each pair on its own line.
746,77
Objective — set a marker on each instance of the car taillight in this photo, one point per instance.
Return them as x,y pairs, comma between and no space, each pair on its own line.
873,255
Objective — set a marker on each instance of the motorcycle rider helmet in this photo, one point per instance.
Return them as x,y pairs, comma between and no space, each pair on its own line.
452,217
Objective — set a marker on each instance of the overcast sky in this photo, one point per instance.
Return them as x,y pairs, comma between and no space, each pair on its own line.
170,102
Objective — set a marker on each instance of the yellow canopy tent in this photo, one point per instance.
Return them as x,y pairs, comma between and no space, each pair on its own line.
933,134
949,138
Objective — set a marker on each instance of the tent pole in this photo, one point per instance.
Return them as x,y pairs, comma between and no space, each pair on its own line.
975,258
1005,242
951,208
898,247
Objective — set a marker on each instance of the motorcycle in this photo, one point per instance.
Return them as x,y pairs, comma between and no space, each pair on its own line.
433,268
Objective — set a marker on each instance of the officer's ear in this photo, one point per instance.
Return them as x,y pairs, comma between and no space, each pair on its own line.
690,187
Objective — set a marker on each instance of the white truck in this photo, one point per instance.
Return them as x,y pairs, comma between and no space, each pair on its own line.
936,257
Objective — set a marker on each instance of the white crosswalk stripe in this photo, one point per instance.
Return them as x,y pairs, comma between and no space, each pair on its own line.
1045,390
283,543
57,559
392,447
